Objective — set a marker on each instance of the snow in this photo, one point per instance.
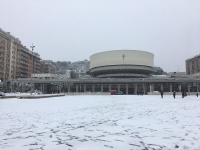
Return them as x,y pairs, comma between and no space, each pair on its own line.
19,94
100,122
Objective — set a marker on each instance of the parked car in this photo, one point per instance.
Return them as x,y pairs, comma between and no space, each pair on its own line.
113,92
2,94
120,93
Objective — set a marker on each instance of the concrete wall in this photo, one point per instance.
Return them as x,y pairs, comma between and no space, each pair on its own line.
115,57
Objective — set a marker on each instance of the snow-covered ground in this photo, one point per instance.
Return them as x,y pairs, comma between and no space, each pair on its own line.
19,94
121,122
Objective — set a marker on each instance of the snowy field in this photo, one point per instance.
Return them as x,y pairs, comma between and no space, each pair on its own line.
100,122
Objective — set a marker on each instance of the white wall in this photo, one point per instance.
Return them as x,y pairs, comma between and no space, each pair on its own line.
132,57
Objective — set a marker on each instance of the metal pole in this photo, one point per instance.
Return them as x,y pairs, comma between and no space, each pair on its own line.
178,69
32,68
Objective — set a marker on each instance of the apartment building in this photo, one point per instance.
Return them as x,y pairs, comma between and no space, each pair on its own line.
8,55
16,61
193,65
48,66
28,62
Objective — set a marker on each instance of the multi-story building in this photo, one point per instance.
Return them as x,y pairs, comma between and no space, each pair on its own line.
26,64
48,66
16,60
193,65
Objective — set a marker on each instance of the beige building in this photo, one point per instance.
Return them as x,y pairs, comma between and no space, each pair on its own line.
16,59
26,64
121,63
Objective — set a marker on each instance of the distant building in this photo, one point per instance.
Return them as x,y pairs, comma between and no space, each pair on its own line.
79,67
159,71
26,65
48,66
193,65
44,76
68,73
177,74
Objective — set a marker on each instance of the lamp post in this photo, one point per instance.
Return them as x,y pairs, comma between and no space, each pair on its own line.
179,86
178,67
178,71
33,66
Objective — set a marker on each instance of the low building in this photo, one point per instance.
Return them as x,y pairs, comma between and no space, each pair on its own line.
160,76
44,76
195,75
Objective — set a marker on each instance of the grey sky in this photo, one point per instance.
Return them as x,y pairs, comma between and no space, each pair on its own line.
72,30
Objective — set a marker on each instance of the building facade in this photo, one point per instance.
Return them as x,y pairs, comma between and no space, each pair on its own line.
193,65
122,64
48,66
28,62
127,85
16,61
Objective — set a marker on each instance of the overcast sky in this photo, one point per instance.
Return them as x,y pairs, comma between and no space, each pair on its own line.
72,30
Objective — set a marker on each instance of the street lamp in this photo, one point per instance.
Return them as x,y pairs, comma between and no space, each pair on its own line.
33,66
178,71
178,67
179,86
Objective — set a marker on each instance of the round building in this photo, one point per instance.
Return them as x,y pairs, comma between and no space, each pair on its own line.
122,64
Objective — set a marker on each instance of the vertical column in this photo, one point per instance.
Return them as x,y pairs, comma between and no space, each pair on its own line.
68,88
197,87
161,87
179,87
118,87
63,88
101,87
151,87
93,88
33,86
84,86
109,87
80,88
126,89
22,88
135,87
18,87
170,87
76,88
188,88
144,88
43,88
